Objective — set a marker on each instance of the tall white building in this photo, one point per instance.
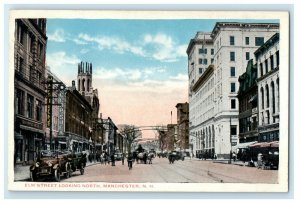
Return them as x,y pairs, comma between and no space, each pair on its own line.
200,54
213,96
267,58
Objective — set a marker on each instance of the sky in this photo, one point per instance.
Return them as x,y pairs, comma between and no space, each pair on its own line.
139,66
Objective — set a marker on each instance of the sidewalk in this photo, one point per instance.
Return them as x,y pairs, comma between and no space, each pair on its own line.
22,173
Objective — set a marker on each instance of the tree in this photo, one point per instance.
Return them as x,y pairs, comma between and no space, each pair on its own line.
130,134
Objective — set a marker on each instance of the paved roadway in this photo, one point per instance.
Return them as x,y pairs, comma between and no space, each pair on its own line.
188,171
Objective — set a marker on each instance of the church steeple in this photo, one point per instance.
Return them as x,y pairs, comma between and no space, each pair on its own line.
84,78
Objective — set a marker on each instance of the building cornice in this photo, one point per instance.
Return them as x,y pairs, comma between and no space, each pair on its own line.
208,72
220,25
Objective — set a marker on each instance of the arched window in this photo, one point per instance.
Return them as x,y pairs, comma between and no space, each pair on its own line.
78,84
278,100
262,97
88,85
267,96
273,96
83,85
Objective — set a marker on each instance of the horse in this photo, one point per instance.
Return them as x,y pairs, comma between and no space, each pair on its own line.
142,156
171,158
150,156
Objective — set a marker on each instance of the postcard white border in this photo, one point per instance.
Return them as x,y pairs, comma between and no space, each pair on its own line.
283,17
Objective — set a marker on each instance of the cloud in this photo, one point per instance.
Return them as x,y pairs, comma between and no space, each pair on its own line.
57,36
84,51
112,43
159,47
126,74
163,47
63,65
180,76
79,42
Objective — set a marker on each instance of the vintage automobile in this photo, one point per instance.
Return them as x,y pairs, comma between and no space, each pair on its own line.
118,156
77,162
52,164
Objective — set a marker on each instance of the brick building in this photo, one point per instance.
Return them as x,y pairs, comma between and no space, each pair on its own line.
29,64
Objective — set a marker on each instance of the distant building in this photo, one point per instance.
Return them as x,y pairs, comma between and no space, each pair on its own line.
171,137
110,138
267,60
29,86
78,120
247,96
183,125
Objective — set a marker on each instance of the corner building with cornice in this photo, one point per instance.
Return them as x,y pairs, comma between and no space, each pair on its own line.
213,96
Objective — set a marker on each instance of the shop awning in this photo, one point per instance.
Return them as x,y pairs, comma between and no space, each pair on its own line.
274,144
243,145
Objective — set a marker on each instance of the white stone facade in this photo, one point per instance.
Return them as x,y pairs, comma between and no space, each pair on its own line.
214,115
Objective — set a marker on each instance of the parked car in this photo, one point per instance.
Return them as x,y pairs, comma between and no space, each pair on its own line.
52,164
118,156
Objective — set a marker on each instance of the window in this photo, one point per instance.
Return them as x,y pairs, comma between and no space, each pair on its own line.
212,52
211,61
247,40
261,69
232,71
266,65
272,62
38,110
267,96
233,106
259,41
273,96
277,58
38,77
232,56
31,43
40,50
20,102
31,73
20,65
205,61
29,106
247,55
233,130
232,87
262,97
200,70
202,51
231,40
200,61
20,33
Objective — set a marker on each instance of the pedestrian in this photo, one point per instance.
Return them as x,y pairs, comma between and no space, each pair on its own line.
112,160
129,160
123,156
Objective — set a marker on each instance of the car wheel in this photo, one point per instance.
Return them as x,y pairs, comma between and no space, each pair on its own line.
68,171
82,169
32,175
57,175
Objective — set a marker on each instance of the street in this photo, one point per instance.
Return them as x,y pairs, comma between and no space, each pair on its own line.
188,171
